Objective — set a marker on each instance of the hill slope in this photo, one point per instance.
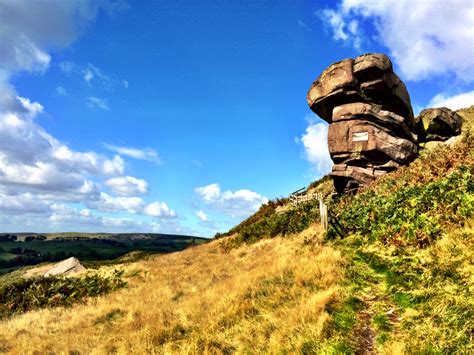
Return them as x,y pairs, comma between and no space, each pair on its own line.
400,281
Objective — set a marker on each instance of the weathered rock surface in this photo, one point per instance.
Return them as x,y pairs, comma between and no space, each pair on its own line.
369,78
438,124
368,143
66,267
374,113
372,127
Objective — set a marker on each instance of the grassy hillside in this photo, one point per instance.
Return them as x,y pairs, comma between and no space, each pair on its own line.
399,281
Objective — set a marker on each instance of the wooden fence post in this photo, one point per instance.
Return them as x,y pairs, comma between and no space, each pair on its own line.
323,210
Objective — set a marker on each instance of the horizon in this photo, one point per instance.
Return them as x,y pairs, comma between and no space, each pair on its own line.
185,117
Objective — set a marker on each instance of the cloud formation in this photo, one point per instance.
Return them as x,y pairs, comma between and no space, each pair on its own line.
31,158
39,174
64,215
31,28
93,72
95,102
61,91
414,32
202,216
240,203
147,154
315,143
127,185
454,102
159,209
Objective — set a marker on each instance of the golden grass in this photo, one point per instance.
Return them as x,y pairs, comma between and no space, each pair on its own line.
265,298
450,302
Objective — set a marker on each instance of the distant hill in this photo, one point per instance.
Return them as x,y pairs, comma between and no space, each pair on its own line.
22,249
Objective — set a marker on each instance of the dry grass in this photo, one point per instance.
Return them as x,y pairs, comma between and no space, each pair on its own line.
445,319
265,298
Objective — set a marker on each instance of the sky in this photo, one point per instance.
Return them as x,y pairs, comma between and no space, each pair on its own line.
176,116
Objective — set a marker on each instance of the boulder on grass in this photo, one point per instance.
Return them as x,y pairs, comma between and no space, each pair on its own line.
438,124
66,267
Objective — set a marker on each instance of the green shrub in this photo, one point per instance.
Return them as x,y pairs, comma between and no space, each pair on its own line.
272,223
414,204
22,295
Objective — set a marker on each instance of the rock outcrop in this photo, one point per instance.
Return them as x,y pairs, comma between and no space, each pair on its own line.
66,267
438,124
372,126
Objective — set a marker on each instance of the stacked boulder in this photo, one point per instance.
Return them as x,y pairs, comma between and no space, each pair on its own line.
438,124
372,126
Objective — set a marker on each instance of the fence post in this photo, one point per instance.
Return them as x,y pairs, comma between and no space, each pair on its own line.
323,210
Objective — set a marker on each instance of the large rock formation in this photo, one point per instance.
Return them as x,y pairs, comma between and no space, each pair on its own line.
372,127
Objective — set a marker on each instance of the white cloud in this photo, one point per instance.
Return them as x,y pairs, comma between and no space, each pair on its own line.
108,203
210,192
88,75
39,174
202,216
93,75
22,203
93,72
159,209
31,158
425,38
337,23
147,154
115,166
133,205
30,29
95,102
454,102
66,216
240,203
61,91
63,214
315,142
66,66
127,185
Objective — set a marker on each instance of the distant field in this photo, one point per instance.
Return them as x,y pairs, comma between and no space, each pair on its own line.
18,250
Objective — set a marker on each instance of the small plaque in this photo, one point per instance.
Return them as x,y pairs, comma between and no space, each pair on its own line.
360,136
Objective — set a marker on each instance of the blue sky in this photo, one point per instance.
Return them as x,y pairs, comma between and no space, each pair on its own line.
186,116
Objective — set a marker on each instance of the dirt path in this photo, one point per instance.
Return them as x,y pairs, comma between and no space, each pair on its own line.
365,333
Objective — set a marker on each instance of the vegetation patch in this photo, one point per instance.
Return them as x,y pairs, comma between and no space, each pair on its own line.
272,223
409,241
22,295
269,222
412,206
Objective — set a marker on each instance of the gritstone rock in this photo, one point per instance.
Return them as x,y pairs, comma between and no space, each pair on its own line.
372,127
66,267
438,124
369,78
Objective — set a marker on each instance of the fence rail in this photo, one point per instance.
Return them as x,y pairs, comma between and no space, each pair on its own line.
299,196
296,199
